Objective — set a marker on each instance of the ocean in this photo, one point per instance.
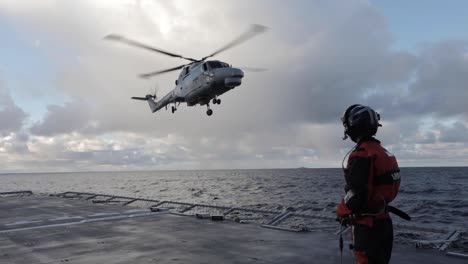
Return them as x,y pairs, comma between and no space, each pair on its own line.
434,197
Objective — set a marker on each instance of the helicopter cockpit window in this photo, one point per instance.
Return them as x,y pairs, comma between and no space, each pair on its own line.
215,64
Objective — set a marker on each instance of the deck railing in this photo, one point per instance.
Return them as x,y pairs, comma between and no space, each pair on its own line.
16,193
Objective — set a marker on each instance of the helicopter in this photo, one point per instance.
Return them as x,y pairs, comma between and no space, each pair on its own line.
201,81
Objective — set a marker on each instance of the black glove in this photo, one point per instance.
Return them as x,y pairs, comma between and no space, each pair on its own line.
343,220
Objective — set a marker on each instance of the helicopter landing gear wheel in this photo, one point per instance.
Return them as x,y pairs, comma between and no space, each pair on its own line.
215,101
173,109
218,101
209,112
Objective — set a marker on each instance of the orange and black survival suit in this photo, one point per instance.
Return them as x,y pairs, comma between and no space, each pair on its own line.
372,182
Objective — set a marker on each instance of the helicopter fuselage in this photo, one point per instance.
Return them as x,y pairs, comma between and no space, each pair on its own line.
198,83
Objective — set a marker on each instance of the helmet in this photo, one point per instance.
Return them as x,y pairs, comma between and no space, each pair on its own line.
360,121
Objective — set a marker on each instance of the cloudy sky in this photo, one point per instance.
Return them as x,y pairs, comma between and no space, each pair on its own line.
64,91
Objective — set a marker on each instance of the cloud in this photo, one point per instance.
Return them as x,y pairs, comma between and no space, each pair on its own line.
73,116
329,55
12,117
436,87
14,144
311,65
456,132
442,77
445,154
76,152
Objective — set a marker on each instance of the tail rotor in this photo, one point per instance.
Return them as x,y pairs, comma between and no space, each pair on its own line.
151,95
155,91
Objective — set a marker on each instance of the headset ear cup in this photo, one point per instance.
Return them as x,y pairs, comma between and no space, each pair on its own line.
378,119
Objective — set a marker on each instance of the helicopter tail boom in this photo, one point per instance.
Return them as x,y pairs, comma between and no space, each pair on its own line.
152,103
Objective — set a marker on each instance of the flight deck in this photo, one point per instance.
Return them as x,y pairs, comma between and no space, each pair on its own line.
93,228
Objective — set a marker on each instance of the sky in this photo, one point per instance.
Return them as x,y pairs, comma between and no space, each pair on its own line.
64,91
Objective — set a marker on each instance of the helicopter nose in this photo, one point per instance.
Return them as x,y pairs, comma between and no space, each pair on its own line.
232,77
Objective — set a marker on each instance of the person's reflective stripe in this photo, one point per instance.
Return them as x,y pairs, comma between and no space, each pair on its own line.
350,194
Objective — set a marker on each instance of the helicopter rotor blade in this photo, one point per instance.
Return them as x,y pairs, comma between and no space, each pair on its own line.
254,30
134,43
151,74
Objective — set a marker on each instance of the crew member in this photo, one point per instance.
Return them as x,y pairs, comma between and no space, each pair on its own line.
372,182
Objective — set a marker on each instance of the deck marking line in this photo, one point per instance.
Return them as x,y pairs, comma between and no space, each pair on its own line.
66,218
103,214
136,211
83,221
24,222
